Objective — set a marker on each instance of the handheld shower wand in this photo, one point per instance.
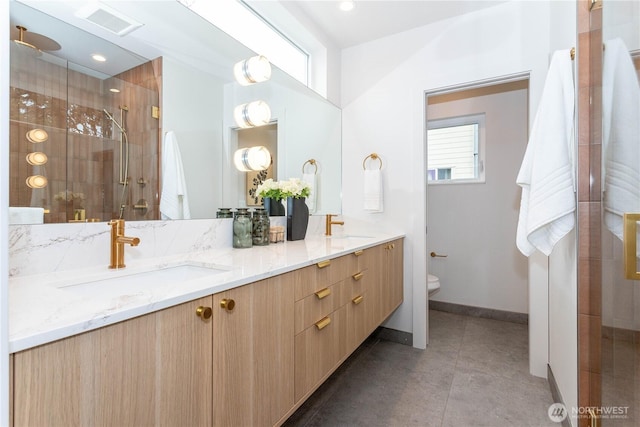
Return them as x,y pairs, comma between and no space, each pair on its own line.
124,156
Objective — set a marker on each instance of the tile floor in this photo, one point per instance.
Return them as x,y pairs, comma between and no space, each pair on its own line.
473,373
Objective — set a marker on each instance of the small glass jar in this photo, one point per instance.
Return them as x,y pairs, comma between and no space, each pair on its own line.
224,213
260,227
242,229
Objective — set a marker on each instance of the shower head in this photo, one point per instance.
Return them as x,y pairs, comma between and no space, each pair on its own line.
20,41
34,41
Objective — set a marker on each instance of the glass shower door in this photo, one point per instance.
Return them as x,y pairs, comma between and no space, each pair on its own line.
620,345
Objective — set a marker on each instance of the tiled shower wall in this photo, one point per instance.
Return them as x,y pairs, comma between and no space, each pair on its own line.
83,145
589,206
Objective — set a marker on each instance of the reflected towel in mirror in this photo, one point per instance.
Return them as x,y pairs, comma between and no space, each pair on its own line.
310,178
174,202
621,135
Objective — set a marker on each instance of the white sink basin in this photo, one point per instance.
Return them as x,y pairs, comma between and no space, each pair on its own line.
137,280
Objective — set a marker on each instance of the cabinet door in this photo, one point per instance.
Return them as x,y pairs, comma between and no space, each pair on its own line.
151,370
390,286
253,353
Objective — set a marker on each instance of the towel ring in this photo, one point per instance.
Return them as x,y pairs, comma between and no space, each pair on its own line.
373,156
313,163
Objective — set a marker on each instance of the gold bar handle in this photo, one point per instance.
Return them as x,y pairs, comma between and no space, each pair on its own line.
358,276
323,264
358,253
357,300
323,293
322,323
629,233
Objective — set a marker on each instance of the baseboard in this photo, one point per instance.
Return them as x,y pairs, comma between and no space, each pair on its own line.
557,396
486,313
394,335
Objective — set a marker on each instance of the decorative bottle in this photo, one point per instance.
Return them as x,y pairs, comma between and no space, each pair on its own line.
260,227
242,229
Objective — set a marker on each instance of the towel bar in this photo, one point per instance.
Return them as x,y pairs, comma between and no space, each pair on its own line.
313,163
374,156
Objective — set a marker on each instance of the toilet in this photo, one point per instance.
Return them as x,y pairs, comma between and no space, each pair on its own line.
433,285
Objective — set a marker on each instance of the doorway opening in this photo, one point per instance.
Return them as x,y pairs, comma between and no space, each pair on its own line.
476,139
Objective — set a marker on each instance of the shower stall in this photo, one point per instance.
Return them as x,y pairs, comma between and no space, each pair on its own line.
83,145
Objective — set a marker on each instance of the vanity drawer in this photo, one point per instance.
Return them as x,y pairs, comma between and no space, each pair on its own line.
318,276
318,349
360,319
318,305
358,260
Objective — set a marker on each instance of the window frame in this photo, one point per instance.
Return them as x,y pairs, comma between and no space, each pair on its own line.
479,145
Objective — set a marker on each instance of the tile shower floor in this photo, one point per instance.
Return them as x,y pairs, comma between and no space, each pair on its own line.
474,373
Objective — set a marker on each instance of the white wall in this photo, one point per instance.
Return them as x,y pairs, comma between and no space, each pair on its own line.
188,95
562,298
475,224
563,319
383,84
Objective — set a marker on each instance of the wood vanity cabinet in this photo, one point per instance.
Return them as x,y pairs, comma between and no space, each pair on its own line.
151,370
253,353
248,356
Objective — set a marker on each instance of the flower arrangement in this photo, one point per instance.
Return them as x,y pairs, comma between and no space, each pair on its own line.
278,190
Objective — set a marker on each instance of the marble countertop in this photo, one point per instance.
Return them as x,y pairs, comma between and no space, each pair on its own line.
48,307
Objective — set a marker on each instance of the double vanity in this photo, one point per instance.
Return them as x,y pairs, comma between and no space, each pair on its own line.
210,336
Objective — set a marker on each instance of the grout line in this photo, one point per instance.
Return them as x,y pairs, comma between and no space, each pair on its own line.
455,369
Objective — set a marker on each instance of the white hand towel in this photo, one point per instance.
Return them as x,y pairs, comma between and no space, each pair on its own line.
174,203
373,201
547,177
310,178
25,215
621,135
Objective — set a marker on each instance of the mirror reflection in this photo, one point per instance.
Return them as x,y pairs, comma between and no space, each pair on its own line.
106,122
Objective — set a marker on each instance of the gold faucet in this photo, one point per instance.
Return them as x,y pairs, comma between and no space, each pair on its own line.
330,223
118,240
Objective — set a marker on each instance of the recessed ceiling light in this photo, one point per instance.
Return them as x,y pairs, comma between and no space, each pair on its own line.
114,90
98,57
347,5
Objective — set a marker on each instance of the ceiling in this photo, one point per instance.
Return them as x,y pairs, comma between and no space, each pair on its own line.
373,19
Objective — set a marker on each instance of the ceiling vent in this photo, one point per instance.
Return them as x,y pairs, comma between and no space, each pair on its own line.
108,18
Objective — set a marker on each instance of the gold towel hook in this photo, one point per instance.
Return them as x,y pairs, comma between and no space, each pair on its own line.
573,53
374,156
313,163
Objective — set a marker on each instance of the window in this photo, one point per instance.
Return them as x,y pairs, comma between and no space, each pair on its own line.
455,149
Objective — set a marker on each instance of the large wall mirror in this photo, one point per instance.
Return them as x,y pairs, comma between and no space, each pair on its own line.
87,137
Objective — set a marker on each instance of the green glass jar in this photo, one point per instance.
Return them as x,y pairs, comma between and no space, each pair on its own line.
260,227
224,213
242,229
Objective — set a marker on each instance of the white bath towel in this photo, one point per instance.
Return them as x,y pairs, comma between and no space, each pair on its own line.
311,179
373,201
621,135
26,215
174,202
547,173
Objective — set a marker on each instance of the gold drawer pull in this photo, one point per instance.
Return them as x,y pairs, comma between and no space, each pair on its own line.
227,304
357,300
358,253
358,276
390,246
203,312
629,239
322,323
323,293
323,264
